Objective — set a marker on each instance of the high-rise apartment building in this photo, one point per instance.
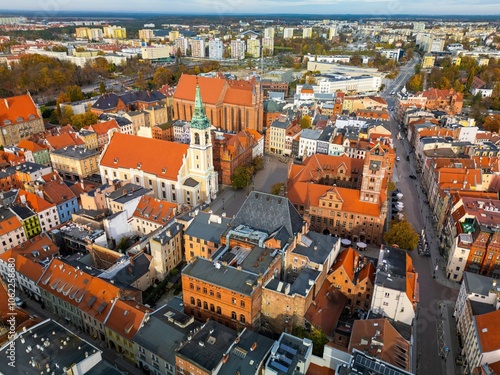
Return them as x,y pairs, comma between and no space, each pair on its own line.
307,32
288,33
268,46
215,49
269,32
198,47
238,49
253,47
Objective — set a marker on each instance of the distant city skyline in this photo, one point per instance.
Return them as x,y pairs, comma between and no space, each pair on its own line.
328,7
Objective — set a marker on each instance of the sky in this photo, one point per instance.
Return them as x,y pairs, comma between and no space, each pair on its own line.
366,7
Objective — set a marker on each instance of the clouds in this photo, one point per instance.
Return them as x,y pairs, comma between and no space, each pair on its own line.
327,7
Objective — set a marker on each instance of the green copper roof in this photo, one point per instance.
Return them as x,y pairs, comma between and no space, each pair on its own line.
200,119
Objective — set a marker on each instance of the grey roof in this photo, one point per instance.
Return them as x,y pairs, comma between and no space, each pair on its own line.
326,134
258,261
207,227
127,193
310,134
477,284
191,182
129,274
208,346
267,213
392,269
287,353
169,232
365,364
109,101
251,348
280,123
227,277
480,308
22,212
166,322
75,152
27,167
301,286
318,248
104,368
70,354
304,282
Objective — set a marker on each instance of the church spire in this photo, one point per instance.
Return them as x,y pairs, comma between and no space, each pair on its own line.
199,119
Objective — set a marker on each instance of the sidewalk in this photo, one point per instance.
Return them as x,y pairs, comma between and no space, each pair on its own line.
448,347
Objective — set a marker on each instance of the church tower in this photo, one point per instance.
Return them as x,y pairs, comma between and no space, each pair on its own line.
200,157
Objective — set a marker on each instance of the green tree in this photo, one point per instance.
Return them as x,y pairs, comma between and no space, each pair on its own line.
305,122
317,336
402,234
258,163
391,186
102,88
278,188
84,119
241,177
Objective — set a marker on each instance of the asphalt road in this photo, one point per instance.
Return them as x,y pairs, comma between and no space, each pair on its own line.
434,330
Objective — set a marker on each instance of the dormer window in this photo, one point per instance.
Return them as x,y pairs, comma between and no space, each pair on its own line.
115,160
139,165
19,119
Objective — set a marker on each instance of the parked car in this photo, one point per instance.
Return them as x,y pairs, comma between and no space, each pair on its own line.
20,302
413,177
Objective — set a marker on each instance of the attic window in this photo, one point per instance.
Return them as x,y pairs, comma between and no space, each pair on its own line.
139,165
164,170
6,122
31,117
19,119
115,160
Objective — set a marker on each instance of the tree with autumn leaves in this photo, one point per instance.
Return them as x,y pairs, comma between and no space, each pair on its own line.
402,234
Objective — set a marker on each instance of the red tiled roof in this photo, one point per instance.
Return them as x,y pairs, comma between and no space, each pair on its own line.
104,127
32,146
211,89
331,302
57,192
488,331
238,97
64,140
155,210
42,244
17,107
28,268
156,156
10,224
33,201
346,260
126,318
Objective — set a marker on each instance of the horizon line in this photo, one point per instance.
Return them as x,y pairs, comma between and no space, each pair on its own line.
323,15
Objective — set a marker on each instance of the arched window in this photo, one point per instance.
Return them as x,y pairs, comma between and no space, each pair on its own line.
242,318
233,315
196,138
212,308
206,138
192,300
198,303
219,311
205,305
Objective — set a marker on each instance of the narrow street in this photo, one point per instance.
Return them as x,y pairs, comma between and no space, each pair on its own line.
437,345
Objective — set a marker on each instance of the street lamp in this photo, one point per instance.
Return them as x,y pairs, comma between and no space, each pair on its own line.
222,203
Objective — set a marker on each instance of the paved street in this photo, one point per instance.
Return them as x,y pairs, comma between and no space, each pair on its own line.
437,344
230,200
